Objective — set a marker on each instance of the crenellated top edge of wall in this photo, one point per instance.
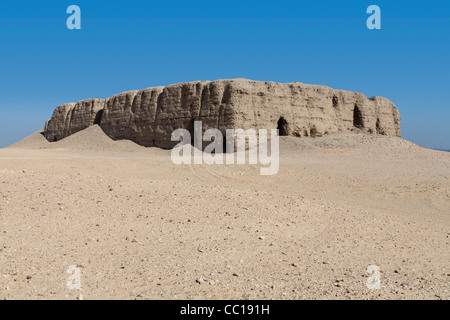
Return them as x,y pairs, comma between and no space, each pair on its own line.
231,81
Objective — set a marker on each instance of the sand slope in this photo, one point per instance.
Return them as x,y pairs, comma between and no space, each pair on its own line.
33,141
92,138
140,227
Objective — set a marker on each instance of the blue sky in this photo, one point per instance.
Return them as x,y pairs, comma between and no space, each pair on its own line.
126,45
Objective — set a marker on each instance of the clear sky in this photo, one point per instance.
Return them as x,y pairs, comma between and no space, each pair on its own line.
127,45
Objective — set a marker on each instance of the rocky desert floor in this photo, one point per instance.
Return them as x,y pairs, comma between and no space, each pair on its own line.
139,227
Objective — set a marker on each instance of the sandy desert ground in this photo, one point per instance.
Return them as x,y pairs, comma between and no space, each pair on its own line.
139,227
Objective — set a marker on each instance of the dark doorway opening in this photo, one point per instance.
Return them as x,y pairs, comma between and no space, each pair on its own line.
283,127
379,128
335,102
190,128
98,117
357,118
224,146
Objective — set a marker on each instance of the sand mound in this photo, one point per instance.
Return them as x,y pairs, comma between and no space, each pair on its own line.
352,140
33,141
363,140
91,138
